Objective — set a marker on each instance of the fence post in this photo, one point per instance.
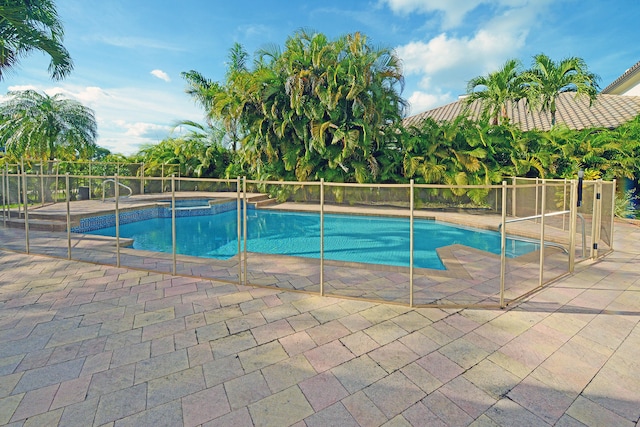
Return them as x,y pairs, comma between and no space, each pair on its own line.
514,191
26,210
537,197
543,208
321,236
239,227
173,221
66,183
564,202
55,198
41,185
4,198
597,218
6,169
503,240
573,224
613,210
162,178
244,227
20,183
594,222
411,241
117,196
5,194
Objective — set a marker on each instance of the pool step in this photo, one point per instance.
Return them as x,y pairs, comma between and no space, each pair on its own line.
262,200
37,224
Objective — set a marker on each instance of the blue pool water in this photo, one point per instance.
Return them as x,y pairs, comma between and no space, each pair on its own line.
365,239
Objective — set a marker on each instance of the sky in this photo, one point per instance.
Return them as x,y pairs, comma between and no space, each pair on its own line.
128,54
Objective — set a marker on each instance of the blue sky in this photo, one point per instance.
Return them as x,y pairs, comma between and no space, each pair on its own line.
128,54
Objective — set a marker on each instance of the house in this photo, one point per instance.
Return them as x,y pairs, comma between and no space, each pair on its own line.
607,110
627,84
616,104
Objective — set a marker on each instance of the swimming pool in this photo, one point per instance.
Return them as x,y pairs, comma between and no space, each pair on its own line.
364,239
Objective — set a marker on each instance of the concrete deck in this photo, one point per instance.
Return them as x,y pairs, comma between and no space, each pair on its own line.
84,344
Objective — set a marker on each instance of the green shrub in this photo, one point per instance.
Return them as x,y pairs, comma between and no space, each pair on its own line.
625,205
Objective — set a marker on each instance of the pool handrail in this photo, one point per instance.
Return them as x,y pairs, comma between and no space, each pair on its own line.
527,218
119,183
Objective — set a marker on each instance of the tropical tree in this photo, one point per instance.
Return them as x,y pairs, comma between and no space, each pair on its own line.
529,156
323,108
32,25
222,101
605,153
201,89
547,79
455,153
319,108
198,153
47,127
496,90
214,157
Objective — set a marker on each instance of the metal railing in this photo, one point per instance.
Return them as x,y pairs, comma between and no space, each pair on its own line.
115,185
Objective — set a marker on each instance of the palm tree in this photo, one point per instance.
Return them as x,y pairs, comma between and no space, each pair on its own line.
222,101
46,127
496,90
319,109
547,79
201,89
32,25
198,153
340,98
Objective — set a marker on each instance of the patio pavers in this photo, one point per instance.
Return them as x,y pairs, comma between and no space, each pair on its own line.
85,344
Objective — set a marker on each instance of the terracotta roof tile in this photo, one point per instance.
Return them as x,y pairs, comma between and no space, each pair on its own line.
607,111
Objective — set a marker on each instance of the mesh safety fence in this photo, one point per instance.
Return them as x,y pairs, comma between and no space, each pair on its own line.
537,243
457,226
281,235
367,241
345,240
607,209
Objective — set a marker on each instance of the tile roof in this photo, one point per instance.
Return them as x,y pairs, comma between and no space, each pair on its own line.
608,111
627,74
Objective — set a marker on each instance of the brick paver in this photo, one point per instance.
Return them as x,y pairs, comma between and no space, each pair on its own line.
84,344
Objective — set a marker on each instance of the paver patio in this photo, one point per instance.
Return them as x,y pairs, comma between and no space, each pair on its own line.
84,344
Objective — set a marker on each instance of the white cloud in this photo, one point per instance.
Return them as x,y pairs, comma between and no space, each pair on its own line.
254,30
137,43
91,94
21,87
161,75
444,56
452,11
443,64
88,95
16,88
145,130
422,101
